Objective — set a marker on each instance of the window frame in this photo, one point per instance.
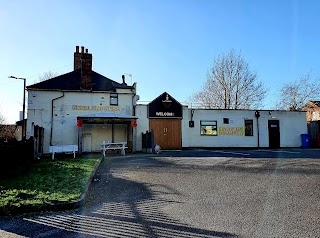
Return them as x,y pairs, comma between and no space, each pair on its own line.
245,127
114,96
214,123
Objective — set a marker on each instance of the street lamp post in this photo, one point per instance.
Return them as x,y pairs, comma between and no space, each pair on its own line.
24,105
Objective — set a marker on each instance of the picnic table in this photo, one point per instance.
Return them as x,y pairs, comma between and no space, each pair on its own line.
106,145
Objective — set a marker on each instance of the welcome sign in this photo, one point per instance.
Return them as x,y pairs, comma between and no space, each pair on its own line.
164,106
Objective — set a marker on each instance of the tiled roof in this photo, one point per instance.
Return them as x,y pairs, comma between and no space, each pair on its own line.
71,81
317,103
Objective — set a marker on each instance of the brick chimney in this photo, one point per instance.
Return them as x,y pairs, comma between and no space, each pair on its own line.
83,62
77,59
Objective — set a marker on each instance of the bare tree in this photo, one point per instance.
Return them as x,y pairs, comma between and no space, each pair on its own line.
45,76
230,84
294,95
2,128
6,131
2,119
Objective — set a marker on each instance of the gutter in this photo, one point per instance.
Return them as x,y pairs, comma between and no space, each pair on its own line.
134,130
52,117
134,99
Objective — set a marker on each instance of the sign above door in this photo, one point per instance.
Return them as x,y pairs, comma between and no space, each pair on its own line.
164,106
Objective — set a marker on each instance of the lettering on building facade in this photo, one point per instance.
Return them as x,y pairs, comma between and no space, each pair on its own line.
231,131
95,108
165,114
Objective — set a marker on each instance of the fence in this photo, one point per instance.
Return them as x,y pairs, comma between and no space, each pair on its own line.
16,156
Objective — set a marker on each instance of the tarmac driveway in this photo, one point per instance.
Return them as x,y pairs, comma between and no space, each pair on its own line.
198,193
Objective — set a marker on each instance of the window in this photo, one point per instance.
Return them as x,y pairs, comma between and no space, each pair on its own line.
208,128
248,124
113,99
225,120
315,116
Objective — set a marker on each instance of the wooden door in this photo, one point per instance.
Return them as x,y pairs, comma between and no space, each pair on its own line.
167,133
86,142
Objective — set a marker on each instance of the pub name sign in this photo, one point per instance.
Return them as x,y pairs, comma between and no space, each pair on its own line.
95,108
164,106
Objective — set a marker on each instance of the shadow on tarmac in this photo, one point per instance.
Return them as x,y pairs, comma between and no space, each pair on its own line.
119,207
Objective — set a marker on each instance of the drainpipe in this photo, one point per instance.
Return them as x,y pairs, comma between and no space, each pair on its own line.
134,99
257,114
134,129
52,116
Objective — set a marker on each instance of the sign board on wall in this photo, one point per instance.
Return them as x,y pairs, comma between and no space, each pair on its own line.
231,131
164,106
95,108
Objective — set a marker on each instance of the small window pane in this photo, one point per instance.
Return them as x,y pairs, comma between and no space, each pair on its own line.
113,99
248,127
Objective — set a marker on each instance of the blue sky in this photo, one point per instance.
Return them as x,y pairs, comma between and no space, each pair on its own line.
167,45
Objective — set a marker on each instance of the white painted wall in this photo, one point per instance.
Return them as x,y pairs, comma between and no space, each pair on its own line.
185,130
103,132
65,115
292,125
142,124
65,131
236,119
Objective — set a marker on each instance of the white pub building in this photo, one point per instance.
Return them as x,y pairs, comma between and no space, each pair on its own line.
84,108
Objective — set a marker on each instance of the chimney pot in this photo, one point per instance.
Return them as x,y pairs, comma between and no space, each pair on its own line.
82,49
123,79
87,51
77,49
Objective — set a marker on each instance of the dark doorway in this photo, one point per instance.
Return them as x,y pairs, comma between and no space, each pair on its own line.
274,134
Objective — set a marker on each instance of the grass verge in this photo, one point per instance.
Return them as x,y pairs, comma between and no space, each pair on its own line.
47,182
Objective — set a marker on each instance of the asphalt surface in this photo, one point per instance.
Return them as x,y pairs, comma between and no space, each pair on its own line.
198,193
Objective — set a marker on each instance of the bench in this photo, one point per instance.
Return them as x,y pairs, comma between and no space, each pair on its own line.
63,149
106,145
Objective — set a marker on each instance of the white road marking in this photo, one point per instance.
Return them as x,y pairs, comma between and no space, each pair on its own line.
6,234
